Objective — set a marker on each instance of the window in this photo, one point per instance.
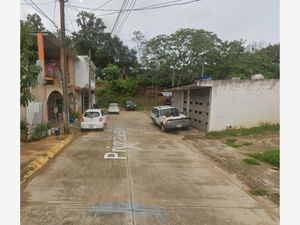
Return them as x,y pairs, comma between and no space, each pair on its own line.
91,114
201,103
169,112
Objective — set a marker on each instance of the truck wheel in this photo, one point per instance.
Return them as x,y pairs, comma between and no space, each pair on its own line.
163,129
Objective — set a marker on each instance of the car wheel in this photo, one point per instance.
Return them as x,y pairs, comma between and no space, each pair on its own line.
163,129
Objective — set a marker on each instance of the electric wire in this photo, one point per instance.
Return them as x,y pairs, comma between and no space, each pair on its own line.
38,9
155,6
42,3
69,19
125,18
54,10
104,4
120,12
123,15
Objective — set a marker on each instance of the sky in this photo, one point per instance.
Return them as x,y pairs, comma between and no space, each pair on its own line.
253,21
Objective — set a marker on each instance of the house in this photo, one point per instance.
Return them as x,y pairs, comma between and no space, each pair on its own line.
84,70
48,103
215,105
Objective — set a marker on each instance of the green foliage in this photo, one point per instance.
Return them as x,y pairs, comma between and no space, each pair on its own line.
35,23
77,115
23,130
23,124
38,133
111,72
49,125
105,49
117,91
265,128
272,157
258,192
232,143
251,161
29,69
187,53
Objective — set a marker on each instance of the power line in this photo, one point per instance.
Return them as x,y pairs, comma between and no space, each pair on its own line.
123,15
54,10
38,9
69,19
155,6
125,18
104,4
42,3
118,17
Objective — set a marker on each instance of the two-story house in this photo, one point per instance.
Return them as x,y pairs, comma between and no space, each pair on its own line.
48,103
84,70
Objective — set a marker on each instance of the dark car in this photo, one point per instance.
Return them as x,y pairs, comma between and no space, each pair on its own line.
130,105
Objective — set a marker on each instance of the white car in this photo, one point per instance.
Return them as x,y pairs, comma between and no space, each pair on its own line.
113,108
93,119
169,118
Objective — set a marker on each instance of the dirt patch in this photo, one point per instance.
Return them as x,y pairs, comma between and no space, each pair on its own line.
230,154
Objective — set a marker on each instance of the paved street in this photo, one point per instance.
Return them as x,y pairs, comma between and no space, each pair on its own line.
162,181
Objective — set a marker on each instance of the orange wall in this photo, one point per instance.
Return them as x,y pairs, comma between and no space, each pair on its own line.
41,51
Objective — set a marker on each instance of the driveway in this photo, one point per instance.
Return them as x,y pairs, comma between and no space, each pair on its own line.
163,180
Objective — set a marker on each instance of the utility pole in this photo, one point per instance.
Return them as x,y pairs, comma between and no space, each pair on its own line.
90,86
64,67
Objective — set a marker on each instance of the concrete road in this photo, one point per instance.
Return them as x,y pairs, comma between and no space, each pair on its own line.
162,181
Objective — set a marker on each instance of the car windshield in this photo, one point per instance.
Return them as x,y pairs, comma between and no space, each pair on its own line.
113,105
129,102
169,112
91,114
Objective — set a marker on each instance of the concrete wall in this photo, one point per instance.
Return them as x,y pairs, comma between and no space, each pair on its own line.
81,72
243,103
42,92
177,100
81,68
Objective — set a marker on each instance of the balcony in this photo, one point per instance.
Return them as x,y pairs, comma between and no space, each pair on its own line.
53,72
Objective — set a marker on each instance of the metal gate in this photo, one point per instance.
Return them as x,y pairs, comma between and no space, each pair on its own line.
199,108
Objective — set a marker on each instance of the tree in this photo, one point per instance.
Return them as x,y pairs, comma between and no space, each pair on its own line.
104,48
111,72
181,55
29,69
35,22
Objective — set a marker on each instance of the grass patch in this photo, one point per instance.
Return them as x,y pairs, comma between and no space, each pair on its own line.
272,157
265,128
251,161
258,192
232,143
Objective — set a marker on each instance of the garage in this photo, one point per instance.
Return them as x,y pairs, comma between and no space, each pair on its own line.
199,106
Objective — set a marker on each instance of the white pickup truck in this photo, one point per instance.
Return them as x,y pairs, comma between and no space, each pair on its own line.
169,117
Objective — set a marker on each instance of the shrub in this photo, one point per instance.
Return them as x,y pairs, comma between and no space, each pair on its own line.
272,157
23,124
264,128
49,125
251,161
258,192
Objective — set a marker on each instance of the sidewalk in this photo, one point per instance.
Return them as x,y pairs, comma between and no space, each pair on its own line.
35,154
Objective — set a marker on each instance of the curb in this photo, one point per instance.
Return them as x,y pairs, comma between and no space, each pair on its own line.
38,163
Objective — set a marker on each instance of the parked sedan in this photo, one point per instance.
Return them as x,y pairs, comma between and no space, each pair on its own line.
113,108
93,119
130,105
